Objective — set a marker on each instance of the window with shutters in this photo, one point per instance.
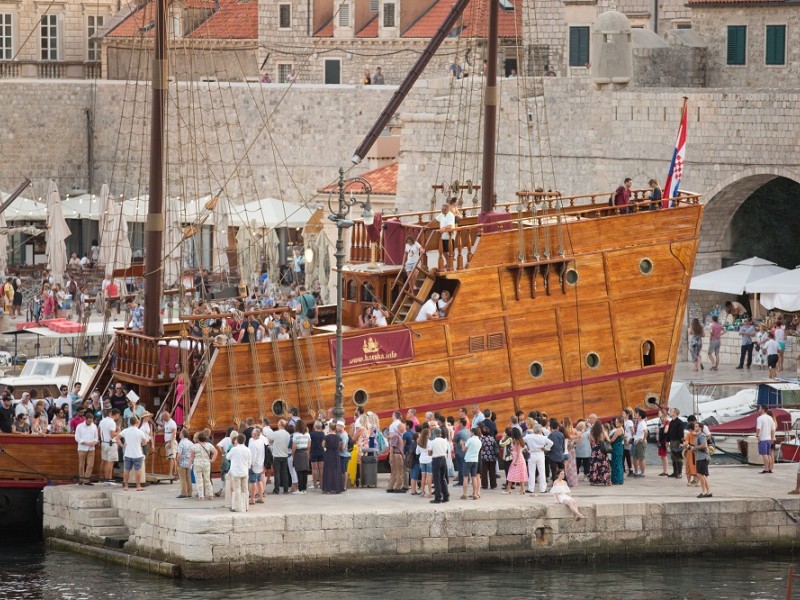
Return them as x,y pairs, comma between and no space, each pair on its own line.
48,32
284,70
776,45
388,14
373,5
285,16
737,44
344,15
578,46
93,24
6,36
477,343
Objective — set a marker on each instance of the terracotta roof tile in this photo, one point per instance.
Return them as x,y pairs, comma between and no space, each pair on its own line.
383,181
326,30
235,20
370,30
721,3
475,20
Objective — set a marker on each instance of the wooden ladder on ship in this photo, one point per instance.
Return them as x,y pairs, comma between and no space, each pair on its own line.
408,303
103,372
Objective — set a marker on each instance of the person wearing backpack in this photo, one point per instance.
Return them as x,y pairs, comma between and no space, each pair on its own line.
622,195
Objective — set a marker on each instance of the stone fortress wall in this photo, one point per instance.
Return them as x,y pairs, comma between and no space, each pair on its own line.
738,139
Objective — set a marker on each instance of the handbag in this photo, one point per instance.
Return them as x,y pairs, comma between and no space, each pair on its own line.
526,454
605,446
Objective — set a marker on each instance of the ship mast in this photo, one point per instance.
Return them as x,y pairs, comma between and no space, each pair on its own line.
490,113
154,226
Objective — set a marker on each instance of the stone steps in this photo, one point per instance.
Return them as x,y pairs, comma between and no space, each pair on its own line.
84,503
115,531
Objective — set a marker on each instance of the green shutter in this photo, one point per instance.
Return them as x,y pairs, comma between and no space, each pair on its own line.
578,46
776,45
737,44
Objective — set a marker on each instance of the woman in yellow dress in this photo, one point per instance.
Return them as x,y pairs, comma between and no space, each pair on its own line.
688,456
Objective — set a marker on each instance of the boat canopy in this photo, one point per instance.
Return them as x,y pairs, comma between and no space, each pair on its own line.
747,425
779,394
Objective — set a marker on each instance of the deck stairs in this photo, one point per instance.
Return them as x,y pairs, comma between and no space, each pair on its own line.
408,303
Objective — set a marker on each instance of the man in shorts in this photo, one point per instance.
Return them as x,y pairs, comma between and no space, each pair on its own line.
716,331
170,441
109,450
765,432
640,443
132,439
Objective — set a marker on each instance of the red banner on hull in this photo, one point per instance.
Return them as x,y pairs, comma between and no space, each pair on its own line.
374,348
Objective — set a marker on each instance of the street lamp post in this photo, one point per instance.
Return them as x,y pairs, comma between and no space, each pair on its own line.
339,217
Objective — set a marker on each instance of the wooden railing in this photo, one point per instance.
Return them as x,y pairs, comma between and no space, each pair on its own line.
540,208
137,356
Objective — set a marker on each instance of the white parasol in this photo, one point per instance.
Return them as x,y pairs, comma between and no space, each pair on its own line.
57,233
173,238
248,254
272,256
220,216
738,279
115,247
323,265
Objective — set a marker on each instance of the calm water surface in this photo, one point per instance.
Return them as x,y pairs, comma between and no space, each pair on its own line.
30,572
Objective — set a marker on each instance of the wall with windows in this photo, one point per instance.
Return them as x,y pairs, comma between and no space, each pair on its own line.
755,46
51,39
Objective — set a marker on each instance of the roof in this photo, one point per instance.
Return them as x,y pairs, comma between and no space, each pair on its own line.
370,30
723,3
475,21
230,19
326,30
383,181
234,20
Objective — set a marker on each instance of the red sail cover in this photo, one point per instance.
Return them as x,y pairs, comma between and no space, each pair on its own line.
374,348
747,424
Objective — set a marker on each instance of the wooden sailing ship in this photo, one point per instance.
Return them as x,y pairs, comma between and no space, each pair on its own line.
560,304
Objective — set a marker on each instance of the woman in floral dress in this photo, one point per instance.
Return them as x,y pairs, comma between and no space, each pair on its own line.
599,470
570,439
518,470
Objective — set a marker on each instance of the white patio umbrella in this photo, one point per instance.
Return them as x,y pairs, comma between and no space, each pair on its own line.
3,247
270,212
220,216
115,247
322,260
272,256
780,291
106,226
737,279
248,252
173,238
57,232
24,209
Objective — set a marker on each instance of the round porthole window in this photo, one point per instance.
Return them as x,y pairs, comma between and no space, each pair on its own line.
571,276
278,408
651,400
536,369
439,385
646,266
592,360
360,397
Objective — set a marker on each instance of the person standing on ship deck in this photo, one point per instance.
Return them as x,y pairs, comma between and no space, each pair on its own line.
622,195
447,227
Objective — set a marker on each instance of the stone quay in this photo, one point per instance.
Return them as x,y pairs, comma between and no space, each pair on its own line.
367,528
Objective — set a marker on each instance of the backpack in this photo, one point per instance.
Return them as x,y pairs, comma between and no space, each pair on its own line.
380,442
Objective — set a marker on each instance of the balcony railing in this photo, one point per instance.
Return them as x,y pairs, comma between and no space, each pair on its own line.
50,69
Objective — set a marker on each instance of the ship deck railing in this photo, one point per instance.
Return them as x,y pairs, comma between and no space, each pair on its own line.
532,209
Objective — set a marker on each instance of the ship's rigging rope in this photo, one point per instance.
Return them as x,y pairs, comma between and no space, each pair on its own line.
254,358
276,352
232,372
300,365
315,373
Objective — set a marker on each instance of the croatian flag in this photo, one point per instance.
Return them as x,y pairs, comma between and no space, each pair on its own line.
678,159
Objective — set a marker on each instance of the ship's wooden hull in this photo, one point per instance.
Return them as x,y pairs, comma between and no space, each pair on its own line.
501,321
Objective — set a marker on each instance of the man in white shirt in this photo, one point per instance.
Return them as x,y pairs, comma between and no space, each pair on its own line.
132,439
437,450
447,227
429,310
772,349
25,406
170,441
109,451
241,460
397,419
379,315
86,436
279,443
639,443
258,452
413,252
477,416
765,431
537,444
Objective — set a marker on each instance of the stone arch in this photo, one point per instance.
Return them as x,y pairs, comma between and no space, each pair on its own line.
724,200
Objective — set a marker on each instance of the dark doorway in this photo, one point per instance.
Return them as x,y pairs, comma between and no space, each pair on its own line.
509,65
765,224
333,71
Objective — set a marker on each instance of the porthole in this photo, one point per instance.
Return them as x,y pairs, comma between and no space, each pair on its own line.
439,385
536,369
651,400
278,408
592,360
360,397
571,276
646,266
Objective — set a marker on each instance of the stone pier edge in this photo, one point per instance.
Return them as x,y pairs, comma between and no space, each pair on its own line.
222,544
